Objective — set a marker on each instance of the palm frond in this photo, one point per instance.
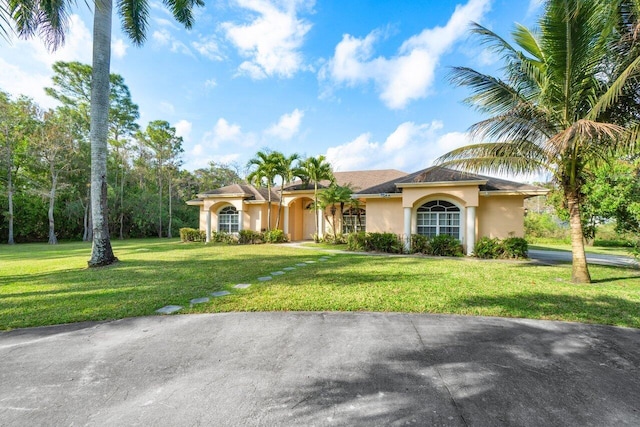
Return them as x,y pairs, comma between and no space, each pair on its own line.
585,132
135,16
615,89
511,157
182,10
489,94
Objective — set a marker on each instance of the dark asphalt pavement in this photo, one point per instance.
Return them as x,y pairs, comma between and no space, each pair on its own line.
333,369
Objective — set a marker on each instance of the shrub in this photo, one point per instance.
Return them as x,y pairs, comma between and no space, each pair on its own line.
223,237
445,245
515,247
250,237
383,242
337,239
192,235
274,236
357,241
488,248
511,247
420,244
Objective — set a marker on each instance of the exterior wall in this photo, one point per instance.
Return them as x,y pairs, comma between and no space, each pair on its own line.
202,223
466,195
385,216
498,216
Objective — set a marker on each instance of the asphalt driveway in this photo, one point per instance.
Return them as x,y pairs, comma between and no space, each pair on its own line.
602,259
267,369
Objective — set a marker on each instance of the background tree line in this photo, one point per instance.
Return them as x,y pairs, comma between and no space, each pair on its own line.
45,158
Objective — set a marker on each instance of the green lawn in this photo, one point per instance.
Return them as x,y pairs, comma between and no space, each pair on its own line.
44,285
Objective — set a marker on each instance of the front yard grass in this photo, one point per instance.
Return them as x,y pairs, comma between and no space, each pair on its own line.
45,285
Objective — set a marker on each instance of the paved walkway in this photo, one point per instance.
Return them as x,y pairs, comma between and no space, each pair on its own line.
346,369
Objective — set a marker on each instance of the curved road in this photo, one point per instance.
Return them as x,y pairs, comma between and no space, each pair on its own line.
603,259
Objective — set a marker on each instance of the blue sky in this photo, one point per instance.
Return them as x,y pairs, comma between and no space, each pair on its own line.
362,82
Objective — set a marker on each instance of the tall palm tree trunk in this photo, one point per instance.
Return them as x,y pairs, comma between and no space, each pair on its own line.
53,240
10,240
580,270
101,252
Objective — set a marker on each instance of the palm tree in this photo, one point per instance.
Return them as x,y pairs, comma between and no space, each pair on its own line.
332,197
265,172
550,111
49,20
285,170
315,169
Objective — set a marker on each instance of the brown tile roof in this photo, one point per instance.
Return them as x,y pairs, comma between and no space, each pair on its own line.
356,179
440,174
254,193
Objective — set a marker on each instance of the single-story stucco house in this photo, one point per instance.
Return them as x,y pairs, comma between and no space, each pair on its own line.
431,201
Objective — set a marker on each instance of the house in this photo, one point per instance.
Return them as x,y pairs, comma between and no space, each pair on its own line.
431,201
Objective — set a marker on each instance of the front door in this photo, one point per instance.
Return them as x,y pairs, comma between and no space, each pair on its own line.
308,222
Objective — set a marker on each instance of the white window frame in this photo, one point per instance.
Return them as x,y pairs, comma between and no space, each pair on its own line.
349,218
451,217
228,220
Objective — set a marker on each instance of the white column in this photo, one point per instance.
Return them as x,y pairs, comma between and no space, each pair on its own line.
320,224
470,234
407,229
286,221
208,221
240,220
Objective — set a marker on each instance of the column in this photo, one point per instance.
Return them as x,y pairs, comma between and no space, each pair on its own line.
320,224
470,233
208,221
240,220
286,221
407,229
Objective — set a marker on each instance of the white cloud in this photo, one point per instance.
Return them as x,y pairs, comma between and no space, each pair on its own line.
167,107
162,36
208,47
183,129
409,147
534,5
25,65
119,48
223,131
210,84
272,40
409,74
287,126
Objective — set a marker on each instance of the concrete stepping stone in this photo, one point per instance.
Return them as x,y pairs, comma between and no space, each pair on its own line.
301,264
289,268
242,285
199,300
220,293
264,278
168,309
310,262
323,259
277,273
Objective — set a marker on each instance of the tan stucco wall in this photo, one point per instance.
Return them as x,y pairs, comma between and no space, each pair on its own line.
202,223
497,216
465,195
385,216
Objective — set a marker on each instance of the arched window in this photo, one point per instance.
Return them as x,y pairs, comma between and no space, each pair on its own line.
228,219
354,220
439,217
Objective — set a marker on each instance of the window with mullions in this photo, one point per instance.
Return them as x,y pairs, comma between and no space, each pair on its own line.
228,220
438,217
354,220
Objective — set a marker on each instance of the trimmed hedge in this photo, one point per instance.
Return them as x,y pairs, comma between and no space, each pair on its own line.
509,248
274,236
441,245
250,237
374,242
192,235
